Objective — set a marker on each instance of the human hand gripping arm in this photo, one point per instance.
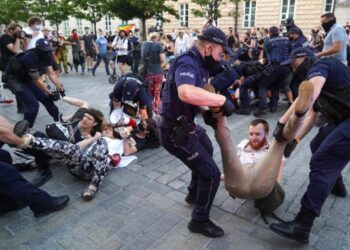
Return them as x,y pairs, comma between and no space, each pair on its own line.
53,77
90,139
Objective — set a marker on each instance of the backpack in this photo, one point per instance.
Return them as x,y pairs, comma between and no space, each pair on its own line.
271,202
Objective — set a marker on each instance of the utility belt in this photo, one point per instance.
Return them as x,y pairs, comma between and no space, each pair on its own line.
181,129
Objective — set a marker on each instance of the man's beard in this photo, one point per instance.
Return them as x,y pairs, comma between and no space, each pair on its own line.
259,145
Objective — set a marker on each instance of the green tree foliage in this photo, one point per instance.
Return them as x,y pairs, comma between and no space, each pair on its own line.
56,11
235,12
91,10
13,10
208,8
142,9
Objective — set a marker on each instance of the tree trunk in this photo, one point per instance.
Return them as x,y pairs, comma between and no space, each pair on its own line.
236,16
144,31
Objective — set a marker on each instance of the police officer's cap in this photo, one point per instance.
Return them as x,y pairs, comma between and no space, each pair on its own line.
293,30
298,53
43,45
217,36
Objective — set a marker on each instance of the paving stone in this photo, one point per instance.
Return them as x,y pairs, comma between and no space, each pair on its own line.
112,243
193,241
129,232
76,240
330,233
153,175
169,241
162,226
140,242
177,184
221,244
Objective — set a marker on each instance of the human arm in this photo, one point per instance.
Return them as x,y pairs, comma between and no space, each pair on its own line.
86,142
199,97
14,47
332,50
53,77
75,102
7,136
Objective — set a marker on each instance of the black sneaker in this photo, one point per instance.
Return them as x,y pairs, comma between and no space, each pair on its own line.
21,128
41,177
57,203
260,113
291,230
207,228
190,199
339,188
243,111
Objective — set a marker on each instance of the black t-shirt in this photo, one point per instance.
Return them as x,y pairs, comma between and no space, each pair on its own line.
6,54
231,41
88,41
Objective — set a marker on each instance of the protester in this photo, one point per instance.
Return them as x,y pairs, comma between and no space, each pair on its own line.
89,48
77,52
101,51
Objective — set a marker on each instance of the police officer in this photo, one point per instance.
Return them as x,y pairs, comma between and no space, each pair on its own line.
331,81
296,38
276,50
182,95
24,72
131,92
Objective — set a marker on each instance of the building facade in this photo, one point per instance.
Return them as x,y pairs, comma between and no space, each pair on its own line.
259,13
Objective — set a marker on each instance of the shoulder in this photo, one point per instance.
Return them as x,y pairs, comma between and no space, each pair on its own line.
321,67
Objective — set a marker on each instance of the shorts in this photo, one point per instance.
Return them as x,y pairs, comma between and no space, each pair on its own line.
89,52
122,59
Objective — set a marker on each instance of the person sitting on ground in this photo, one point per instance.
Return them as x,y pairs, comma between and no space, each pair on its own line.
145,136
76,128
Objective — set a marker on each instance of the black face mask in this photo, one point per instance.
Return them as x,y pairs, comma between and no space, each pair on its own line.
210,64
327,26
140,127
300,73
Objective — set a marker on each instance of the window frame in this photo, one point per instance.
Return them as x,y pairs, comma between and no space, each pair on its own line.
327,4
183,13
287,13
249,14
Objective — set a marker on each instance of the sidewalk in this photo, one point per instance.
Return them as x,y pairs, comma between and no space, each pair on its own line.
142,206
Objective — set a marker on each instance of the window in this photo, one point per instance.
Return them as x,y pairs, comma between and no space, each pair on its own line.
328,5
66,30
79,26
184,15
287,10
249,14
108,24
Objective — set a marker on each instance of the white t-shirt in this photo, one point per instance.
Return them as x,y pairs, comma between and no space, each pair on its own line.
32,41
181,45
250,156
118,43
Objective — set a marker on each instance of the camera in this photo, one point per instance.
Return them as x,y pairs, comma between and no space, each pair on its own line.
22,35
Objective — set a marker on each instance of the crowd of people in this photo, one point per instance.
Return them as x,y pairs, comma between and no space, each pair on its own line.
180,74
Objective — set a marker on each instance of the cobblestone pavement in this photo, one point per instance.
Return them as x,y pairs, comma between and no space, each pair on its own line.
142,206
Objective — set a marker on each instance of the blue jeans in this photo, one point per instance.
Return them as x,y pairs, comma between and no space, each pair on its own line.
105,59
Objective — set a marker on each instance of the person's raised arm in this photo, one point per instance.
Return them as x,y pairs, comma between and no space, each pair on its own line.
75,102
199,97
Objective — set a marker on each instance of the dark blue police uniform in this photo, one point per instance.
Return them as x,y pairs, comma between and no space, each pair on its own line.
196,152
332,154
131,89
15,191
300,42
31,67
276,50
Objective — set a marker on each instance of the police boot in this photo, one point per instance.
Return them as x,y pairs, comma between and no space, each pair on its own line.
298,229
207,228
243,111
339,188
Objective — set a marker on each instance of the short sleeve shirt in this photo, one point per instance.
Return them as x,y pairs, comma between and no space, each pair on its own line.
88,41
188,68
152,51
335,72
76,47
6,54
142,97
336,34
102,43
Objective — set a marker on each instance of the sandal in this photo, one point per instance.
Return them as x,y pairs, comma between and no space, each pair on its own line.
88,194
